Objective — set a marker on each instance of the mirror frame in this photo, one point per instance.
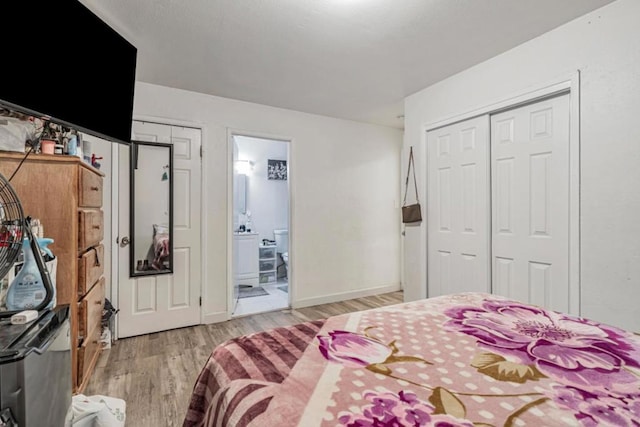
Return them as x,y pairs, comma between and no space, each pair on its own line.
133,160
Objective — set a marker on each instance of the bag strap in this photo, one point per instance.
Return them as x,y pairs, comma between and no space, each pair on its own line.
415,182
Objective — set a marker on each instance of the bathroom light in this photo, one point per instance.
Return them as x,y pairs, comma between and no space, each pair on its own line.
244,167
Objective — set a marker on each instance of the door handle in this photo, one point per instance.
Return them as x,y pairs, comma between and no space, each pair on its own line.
124,241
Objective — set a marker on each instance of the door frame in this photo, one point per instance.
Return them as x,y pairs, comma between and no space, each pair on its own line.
231,132
568,84
115,205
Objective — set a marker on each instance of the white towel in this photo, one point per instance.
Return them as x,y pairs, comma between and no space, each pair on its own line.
96,411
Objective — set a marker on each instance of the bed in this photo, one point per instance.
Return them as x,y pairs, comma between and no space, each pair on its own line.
466,359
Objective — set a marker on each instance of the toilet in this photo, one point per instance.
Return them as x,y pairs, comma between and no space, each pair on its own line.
282,246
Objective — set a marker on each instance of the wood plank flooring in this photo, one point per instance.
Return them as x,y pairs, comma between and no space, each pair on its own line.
155,373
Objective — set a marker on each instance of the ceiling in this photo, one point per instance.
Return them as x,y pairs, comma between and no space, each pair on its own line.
352,59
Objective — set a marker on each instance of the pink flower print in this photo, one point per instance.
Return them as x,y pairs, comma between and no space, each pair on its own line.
592,410
353,350
381,404
386,409
571,350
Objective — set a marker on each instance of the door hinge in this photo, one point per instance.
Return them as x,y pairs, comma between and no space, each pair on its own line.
201,151
200,300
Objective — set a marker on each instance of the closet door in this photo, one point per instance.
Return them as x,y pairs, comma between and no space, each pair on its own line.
458,208
151,304
530,203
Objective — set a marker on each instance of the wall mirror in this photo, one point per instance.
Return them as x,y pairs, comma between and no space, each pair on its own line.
151,221
241,193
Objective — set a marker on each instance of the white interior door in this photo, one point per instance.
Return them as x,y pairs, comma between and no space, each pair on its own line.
458,208
530,198
156,303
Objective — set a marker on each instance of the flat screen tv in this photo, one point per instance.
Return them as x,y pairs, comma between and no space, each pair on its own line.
60,60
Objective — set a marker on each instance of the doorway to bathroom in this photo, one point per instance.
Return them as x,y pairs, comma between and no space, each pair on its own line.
261,268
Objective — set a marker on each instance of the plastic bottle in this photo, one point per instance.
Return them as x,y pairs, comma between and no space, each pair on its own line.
27,290
72,146
248,224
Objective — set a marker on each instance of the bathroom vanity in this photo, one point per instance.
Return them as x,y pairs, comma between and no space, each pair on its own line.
247,267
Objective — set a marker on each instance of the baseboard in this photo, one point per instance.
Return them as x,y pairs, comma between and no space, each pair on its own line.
215,317
343,296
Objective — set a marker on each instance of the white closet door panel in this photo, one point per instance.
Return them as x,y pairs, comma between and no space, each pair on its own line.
156,303
458,207
530,203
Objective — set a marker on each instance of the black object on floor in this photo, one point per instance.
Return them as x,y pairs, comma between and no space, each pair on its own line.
251,291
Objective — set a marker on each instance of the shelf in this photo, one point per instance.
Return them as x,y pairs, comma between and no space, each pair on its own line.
267,252
267,265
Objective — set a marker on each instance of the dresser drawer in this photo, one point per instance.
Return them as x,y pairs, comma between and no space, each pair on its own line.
87,354
89,189
90,311
91,228
90,269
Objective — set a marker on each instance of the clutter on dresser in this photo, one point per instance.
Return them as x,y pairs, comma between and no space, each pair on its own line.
22,133
15,130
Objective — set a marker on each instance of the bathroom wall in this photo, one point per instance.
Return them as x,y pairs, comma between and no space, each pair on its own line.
345,195
267,200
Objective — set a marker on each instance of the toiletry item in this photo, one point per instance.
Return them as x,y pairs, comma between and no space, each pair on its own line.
87,150
27,290
58,149
247,224
72,146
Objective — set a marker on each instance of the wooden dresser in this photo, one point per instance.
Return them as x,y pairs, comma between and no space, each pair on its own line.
66,195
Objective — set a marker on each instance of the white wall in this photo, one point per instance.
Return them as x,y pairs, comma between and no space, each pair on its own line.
344,192
604,46
267,200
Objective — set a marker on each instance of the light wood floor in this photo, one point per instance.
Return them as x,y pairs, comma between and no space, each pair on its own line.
155,373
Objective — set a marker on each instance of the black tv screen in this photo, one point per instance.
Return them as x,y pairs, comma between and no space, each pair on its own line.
60,60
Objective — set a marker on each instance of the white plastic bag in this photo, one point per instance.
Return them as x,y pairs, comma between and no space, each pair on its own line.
14,133
96,411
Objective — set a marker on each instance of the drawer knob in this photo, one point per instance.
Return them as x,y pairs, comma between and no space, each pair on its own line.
97,227
94,188
99,302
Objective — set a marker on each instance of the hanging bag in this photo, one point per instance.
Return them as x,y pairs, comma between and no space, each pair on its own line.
411,213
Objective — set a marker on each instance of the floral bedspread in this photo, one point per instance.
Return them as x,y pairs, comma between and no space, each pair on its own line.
458,360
